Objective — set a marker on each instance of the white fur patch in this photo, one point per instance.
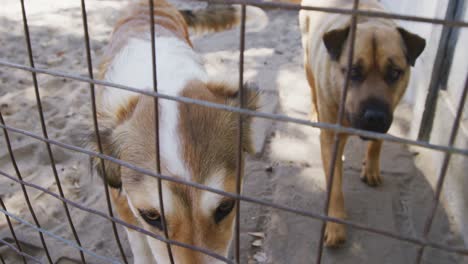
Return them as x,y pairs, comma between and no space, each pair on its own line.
140,248
177,64
209,200
147,197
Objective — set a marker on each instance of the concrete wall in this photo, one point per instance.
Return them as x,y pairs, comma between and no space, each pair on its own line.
455,195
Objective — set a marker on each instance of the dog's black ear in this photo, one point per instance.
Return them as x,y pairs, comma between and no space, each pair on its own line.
334,41
414,45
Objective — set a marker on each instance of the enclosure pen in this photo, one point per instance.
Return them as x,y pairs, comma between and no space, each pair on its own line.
422,243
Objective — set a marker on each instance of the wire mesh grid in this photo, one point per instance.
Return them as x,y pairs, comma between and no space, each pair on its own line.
423,242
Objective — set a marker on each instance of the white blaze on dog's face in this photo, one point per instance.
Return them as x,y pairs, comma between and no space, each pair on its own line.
380,71
202,149
194,217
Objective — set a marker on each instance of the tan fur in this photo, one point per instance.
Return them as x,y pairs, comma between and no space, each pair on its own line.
371,166
378,43
213,18
214,131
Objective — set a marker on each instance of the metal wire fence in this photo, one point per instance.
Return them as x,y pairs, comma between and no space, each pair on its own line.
423,242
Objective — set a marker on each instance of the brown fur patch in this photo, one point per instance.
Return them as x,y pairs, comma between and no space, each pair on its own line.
124,113
209,135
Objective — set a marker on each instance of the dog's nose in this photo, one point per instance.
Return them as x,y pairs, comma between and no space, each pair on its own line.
375,120
374,117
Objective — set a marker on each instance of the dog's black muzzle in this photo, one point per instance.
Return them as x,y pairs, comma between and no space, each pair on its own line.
374,115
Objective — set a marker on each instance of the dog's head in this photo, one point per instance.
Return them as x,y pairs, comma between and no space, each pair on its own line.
379,74
200,147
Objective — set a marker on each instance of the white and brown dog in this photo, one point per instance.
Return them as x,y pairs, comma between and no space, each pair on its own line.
379,75
197,144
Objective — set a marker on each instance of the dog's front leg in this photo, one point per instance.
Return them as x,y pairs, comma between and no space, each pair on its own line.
371,165
334,233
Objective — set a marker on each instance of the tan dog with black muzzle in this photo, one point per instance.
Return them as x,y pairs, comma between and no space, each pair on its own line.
379,76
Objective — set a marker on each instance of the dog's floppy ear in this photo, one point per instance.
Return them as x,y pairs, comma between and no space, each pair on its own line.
414,45
231,92
109,121
251,101
112,170
334,41
251,94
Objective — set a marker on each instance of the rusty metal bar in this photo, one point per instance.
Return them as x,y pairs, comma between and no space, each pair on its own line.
249,199
239,133
19,252
156,128
44,130
276,117
444,168
12,230
438,74
339,121
96,126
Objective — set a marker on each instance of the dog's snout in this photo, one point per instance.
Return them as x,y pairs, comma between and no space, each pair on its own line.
374,115
376,118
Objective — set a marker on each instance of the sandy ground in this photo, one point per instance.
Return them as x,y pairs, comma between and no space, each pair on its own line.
286,170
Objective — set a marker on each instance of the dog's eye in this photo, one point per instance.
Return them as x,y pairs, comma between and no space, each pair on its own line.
356,75
223,210
152,217
393,75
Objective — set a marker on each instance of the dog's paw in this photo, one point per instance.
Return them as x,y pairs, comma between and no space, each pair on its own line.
335,235
370,175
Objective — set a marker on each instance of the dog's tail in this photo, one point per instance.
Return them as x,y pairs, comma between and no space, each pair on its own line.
216,17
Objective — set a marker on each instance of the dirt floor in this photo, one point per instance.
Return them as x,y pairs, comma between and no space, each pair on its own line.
286,169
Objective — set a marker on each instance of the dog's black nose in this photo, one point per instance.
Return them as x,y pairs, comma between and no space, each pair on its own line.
376,120
374,117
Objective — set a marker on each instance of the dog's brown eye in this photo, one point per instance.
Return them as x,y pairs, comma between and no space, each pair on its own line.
393,75
223,210
355,74
152,217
